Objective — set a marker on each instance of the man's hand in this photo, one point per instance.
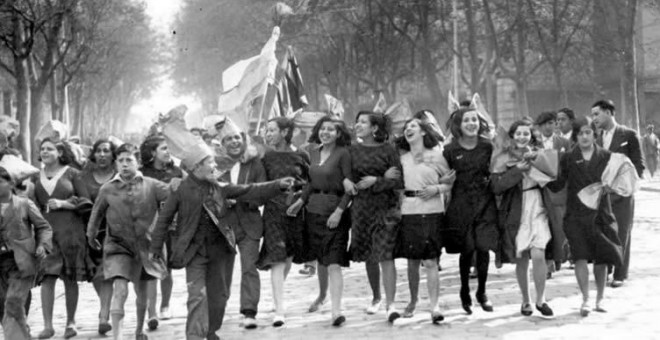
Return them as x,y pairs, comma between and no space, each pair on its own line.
448,178
154,256
286,182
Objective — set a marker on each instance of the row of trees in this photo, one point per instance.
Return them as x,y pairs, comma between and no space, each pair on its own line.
354,49
101,55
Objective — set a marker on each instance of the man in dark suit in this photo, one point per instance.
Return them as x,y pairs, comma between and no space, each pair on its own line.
620,139
546,123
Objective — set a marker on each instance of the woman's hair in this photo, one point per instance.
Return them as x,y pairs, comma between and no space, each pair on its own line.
381,121
343,135
67,156
523,122
578,123
97,145
424,115
284,123
456,118
127,147
148,149
430,138
4,174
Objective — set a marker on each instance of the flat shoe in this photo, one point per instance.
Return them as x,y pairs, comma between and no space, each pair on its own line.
141,336
374,307
585,309
338,321
616,283
70,332
526,309
316,305
599,308
466,302
249,323
278,321
392,315
409,312
104,328
152,324
545,309
436,316
486,305
46,334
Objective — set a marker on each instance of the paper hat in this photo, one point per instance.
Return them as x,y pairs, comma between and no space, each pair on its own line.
196,153
221,126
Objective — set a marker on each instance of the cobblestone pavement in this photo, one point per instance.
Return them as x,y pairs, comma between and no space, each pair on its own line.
633,310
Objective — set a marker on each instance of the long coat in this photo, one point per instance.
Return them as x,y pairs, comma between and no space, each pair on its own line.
25,229
592,234
508,184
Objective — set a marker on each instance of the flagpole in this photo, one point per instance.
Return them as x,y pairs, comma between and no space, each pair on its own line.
455,15
261,110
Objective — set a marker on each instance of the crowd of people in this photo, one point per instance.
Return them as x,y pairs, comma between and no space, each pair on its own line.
130,215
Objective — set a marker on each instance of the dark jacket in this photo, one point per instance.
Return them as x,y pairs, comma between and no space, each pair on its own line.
508,184
246,215
626,141
24,229
186,198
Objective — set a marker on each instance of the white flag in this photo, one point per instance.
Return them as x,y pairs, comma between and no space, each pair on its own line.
335,106
255,74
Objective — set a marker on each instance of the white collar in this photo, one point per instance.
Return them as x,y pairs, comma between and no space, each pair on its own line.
611,130
138,175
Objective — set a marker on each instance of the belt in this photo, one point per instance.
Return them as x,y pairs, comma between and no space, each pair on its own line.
328,192
412,193
536,187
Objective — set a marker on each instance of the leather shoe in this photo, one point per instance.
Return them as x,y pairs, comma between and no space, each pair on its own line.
486,305
617,283
545,309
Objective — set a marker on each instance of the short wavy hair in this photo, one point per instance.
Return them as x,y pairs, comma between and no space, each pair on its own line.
456,118
284,123
430,138
97,145
379,120
66,157
148,148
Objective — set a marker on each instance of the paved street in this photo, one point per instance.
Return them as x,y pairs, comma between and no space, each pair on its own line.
632,310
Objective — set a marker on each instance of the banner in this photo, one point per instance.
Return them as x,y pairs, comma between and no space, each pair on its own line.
335,106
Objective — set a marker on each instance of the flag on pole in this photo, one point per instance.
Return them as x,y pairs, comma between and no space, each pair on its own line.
399,113
381,104
294,82
255,75
335,106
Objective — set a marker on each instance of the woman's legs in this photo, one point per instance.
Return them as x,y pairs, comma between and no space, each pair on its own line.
166,285
413,285
464,263
152,298
71,297
322,273
432,281
600,274
540,269
47,302
522,275
104,290
373,274
389,281
336,288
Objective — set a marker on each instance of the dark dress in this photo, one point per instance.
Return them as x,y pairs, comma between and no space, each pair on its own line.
69,258
471,217
322,195
93,187
165,175
284,236
591,234
375,212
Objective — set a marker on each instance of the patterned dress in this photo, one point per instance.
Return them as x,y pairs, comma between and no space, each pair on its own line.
471,217
375,212
69,258
284,236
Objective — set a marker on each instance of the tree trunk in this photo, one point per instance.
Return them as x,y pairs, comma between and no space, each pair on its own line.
521,97
22,86
559,82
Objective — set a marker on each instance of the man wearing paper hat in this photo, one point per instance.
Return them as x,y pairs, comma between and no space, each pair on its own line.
206,243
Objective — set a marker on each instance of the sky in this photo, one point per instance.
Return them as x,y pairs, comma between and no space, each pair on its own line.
162,13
